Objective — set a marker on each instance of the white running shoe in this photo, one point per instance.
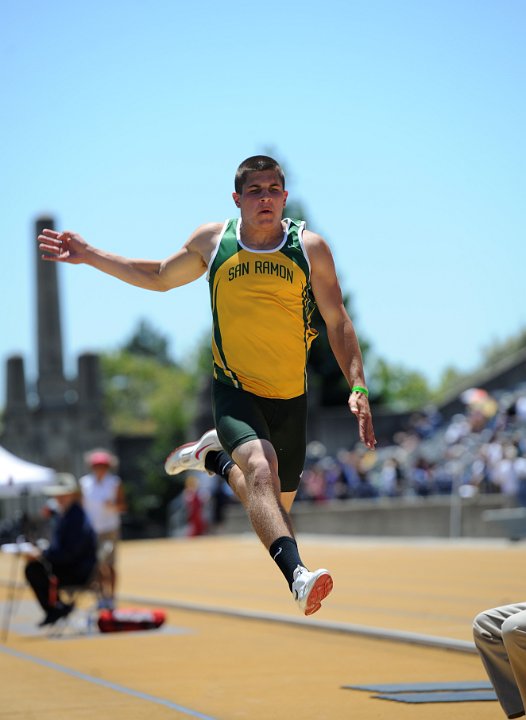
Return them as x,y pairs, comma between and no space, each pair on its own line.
310,588
191,456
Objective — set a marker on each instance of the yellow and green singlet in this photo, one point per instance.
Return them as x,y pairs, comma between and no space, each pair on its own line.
262,303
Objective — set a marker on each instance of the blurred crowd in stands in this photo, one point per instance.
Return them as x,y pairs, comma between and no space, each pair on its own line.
481,450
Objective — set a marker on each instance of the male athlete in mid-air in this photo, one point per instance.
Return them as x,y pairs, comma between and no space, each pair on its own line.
265,274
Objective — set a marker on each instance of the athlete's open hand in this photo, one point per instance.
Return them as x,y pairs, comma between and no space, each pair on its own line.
359,406
62,246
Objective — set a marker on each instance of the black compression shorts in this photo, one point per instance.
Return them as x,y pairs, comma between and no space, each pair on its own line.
241,416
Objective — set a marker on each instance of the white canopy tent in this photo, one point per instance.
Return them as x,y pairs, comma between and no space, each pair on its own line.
17,475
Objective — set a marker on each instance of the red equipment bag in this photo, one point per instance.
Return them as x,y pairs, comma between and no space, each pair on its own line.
130,619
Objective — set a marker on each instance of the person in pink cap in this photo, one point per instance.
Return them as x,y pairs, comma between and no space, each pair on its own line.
104,502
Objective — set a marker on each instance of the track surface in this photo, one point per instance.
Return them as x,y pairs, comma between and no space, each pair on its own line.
235,646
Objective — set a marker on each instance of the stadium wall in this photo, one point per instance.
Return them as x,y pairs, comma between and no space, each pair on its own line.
436,516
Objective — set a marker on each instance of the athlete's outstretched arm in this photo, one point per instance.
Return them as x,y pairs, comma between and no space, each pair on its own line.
180,268
340,331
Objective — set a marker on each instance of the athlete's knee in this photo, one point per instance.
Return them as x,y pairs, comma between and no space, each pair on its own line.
514,629
256,456
482,627
258,462
261,474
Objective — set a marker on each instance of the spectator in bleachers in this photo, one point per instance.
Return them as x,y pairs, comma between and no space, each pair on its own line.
390,478
479,451
421,478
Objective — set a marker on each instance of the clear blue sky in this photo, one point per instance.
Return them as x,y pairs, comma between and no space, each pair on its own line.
401,122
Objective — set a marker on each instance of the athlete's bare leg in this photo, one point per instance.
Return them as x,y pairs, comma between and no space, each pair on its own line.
254,479
237,482
257,462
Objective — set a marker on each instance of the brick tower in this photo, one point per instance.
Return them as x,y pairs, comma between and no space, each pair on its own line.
65,417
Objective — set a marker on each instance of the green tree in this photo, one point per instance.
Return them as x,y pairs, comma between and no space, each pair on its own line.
397,387
499,350
139,393
325,373
451,381
148,342
144,396
201,359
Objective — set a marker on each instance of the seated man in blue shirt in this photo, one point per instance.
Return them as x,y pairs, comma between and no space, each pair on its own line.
71,556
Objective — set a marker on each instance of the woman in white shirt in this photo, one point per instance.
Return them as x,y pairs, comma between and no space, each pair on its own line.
103,500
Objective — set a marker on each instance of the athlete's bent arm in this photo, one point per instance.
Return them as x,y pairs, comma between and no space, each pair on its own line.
340,331
182,267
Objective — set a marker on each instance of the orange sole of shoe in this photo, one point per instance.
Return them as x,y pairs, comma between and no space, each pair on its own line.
322,587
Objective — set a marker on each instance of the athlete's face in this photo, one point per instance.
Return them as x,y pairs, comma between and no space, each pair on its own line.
262,198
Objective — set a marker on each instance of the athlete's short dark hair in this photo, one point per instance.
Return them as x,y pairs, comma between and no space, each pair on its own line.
256,162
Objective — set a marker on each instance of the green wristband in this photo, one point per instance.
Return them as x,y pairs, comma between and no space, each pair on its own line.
360,389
